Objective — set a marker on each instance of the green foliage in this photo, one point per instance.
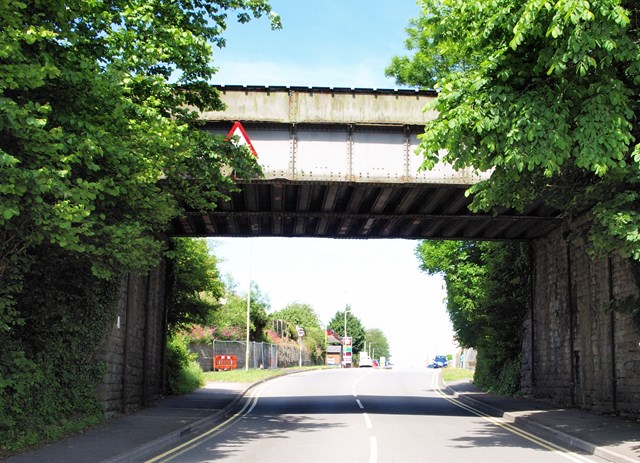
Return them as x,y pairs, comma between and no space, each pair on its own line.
48,366
233,313
100,148
488,296
303,315
376,338
460,263
229,321
185,374
100,144
259,307
196,287
499,378
544,94
355,329
205,334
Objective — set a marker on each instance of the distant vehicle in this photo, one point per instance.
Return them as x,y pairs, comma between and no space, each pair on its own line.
365,360
440,361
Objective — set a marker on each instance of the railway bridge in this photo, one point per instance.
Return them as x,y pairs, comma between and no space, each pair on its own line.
340,163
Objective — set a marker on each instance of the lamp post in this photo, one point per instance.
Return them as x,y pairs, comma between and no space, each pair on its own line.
246,352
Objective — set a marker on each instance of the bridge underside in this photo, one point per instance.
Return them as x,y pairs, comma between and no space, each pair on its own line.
360,211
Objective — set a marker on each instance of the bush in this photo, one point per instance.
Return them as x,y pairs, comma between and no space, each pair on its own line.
497,375
185,374
48,365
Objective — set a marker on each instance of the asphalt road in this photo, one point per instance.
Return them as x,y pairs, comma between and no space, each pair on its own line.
363,415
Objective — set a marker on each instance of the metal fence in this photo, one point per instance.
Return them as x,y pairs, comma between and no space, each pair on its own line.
261,354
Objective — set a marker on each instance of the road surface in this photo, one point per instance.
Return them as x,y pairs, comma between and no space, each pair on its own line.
363,415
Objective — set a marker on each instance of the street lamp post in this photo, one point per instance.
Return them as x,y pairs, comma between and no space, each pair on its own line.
246,351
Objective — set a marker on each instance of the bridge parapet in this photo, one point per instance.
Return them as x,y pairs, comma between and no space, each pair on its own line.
323,105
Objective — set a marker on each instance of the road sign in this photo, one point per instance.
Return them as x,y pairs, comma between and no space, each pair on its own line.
347,341
300,331
243,139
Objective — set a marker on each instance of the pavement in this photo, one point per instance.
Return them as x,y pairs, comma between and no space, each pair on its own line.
609,437
131,438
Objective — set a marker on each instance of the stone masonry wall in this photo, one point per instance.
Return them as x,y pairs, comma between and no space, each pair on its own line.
576,351
134,349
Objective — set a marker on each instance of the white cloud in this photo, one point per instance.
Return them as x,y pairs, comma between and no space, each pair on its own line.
357,75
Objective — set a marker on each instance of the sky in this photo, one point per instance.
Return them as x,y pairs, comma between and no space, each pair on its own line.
335,43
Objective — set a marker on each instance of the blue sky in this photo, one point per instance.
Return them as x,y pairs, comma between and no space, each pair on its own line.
335,43
328,43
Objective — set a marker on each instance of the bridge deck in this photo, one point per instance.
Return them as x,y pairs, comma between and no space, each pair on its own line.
340,163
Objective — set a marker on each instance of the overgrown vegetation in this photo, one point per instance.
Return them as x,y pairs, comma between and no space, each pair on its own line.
488,287
100,148
301,315
196,290
546,96
48,370
185,374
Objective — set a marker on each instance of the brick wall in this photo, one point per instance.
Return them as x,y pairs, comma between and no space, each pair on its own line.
577,352
134,350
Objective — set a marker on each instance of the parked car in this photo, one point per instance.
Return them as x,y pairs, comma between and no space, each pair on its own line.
440,361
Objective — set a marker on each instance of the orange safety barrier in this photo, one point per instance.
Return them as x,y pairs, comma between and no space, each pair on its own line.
225,362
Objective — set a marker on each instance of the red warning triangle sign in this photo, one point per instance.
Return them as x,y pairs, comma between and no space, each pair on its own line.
243,138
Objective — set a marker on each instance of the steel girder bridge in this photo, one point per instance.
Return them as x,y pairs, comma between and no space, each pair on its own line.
340,163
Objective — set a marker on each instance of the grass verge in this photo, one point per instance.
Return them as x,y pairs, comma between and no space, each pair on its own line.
250,376
456,374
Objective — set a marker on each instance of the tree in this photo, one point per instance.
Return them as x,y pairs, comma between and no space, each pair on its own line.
543,94
376,338
460,264
355,330
488,296
232,316
196,288
100,148
100,144
303,315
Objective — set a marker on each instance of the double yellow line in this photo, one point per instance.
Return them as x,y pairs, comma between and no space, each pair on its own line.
193,443
500,422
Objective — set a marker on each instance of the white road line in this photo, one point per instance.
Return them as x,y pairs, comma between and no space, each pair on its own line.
373,450
373,443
